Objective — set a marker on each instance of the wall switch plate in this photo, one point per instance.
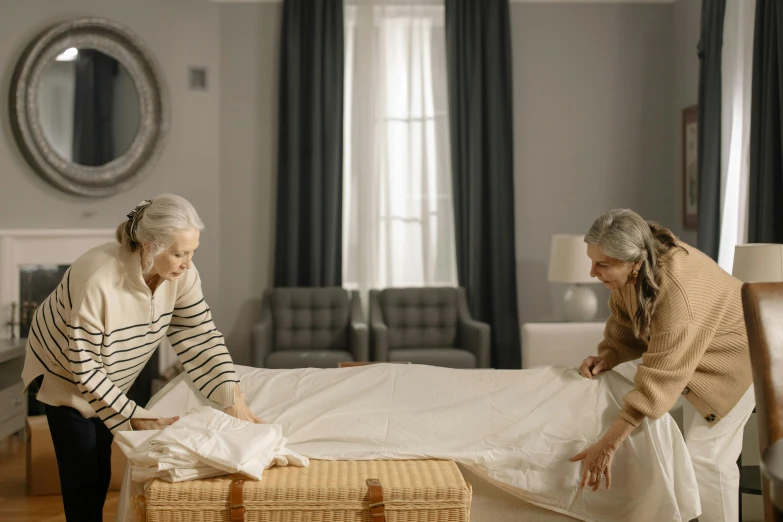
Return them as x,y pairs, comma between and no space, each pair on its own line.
197,78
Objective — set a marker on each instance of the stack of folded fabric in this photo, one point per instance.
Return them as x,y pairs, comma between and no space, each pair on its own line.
206,443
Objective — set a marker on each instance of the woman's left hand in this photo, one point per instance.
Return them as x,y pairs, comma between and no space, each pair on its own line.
598,458
597,464
240,409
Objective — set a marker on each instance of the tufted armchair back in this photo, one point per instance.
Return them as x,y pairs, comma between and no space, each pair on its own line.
420,317
310,318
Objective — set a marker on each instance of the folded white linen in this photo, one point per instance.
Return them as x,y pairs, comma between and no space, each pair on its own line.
516,428
204,443
175,474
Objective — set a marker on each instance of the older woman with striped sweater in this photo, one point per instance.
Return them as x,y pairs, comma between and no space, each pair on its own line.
92,336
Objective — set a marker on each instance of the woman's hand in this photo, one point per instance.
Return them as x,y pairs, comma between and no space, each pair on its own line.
598,458
240,409
152,424
597,465
592,366
242,412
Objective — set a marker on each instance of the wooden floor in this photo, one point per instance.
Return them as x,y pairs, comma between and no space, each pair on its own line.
16,506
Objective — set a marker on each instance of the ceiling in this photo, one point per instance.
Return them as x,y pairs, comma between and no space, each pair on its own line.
511,1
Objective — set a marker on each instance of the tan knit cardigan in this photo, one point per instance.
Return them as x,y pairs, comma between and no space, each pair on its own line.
698,346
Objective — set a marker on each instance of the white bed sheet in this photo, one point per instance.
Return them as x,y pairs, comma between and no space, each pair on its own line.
491,503
515,428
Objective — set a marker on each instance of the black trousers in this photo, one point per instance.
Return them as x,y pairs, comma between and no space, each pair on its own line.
83,450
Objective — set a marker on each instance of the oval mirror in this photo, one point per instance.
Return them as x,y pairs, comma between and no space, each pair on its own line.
88,109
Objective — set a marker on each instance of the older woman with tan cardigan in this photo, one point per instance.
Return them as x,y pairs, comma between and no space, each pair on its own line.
677,310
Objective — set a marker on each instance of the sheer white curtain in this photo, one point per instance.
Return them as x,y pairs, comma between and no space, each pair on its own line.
398,223
736,81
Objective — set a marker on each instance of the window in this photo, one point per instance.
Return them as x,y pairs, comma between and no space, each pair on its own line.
398,222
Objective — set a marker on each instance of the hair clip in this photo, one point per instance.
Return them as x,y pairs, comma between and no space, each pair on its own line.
138,207
134,216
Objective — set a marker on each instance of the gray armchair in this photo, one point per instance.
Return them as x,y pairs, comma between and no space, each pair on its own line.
427,326
309,327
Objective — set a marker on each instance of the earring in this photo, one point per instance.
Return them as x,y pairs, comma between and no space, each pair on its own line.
635,272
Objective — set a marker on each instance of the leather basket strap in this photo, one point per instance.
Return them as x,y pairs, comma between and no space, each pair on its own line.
375,496
236,501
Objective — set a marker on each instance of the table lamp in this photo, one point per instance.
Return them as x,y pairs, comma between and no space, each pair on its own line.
568,263
758,263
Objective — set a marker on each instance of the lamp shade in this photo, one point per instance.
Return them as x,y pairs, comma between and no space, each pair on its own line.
758,263
568,261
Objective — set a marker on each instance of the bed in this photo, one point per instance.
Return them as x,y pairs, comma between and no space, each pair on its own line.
493,501
511,431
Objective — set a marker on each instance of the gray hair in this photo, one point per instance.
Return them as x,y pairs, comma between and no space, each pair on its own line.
625,235
157,224
622,234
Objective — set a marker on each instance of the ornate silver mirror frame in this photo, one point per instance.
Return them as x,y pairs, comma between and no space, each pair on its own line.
114,40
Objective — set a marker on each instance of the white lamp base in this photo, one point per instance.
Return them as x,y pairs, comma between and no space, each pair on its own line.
580,304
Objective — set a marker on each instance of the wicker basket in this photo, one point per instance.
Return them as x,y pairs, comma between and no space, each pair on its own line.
325,491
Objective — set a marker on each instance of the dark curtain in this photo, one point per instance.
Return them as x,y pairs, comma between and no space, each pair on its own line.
308,248
93,139
709,138
478,51
765,191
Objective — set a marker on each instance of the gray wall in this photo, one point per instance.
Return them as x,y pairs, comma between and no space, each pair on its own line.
180,33
249,44
593,128
597,94
220,151
687,29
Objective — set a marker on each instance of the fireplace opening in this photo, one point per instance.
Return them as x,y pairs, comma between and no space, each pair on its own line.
36,282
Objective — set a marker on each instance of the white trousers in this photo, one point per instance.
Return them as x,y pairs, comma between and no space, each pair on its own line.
714,452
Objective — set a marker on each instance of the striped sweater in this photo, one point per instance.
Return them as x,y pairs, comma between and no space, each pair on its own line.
698,345
93,335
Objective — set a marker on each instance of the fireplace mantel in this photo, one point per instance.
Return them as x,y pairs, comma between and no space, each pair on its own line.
20,247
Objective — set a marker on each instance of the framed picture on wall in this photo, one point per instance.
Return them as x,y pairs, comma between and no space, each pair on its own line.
690,166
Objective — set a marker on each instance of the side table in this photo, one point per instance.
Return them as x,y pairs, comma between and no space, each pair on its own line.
13,404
